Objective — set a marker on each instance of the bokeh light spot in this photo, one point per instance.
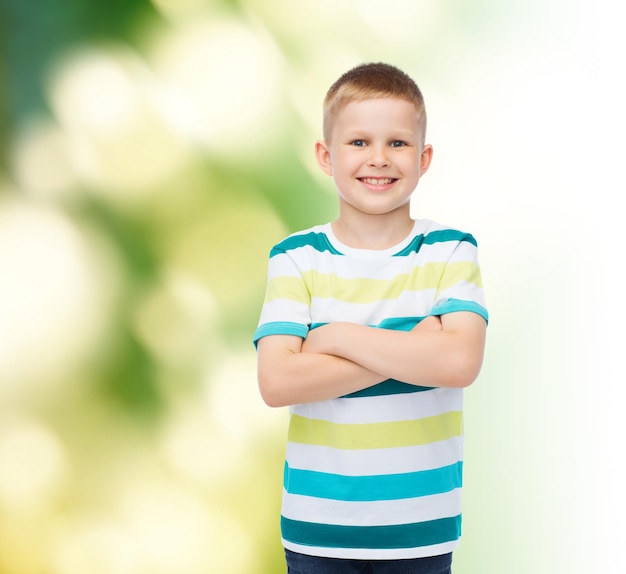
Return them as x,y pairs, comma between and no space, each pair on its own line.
176,319
52,302
123,138
229,75
42,161
34,464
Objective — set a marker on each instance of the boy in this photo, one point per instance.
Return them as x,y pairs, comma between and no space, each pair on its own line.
371,327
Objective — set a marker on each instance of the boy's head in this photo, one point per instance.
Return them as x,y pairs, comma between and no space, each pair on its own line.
370,81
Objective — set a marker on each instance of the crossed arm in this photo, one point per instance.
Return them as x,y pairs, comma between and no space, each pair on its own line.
341,358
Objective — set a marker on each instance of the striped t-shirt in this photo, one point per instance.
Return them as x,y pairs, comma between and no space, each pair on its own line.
375,474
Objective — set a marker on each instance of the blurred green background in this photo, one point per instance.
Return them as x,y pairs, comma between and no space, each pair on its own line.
151,153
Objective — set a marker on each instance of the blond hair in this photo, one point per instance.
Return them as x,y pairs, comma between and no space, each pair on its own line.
371,81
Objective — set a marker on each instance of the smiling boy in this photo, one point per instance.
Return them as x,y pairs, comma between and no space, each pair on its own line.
372,326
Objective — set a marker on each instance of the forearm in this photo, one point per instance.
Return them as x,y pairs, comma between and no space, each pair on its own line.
294,376
440,358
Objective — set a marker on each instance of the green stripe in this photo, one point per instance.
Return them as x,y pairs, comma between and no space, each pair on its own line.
433,237
461,271
438,276
426,430
384,537
318,241
362,290
286,287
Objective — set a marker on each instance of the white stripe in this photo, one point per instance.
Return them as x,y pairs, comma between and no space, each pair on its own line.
386,408
372,462
464,252
374,554
283,265
307,258
464,291
412,303
281,309
379,513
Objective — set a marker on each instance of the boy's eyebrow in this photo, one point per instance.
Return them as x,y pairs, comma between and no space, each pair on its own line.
392,131
393,134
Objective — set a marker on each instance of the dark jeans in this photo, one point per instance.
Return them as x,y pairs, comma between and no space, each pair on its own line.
303,564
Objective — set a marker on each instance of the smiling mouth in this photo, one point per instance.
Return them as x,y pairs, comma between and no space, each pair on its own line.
377,180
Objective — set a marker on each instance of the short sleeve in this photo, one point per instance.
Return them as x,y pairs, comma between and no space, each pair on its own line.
287,305
460,285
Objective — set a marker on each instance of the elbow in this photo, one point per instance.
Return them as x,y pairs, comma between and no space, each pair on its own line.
270,392
461,371
463,380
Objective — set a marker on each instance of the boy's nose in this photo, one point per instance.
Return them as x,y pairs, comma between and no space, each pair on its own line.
378,157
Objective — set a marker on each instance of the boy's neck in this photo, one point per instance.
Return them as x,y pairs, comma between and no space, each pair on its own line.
375,232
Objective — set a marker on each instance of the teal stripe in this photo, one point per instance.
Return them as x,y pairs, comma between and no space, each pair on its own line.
317,241
411,535
393,324
388,387
453,305
400,323
433,237
280,328
373,488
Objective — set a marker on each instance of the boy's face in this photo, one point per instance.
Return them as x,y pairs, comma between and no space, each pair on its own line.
376,155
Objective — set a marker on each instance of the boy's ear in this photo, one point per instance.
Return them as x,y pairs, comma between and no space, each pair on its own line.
322,154
426,158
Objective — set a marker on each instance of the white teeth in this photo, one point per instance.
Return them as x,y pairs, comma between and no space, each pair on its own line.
377,181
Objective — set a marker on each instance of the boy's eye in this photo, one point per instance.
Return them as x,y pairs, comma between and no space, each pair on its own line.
397,143
358,143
